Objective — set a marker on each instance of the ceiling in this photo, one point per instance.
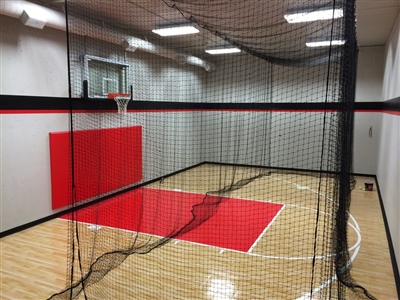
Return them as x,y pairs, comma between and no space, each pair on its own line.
375,20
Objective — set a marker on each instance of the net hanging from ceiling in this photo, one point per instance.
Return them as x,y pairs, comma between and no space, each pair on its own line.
229,176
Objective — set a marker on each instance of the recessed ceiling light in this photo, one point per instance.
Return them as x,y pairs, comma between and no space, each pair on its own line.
176,30
313,15
325,43
223,50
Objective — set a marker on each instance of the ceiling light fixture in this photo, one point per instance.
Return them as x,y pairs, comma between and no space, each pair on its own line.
325,43
223,50
298,16
133,43
176,30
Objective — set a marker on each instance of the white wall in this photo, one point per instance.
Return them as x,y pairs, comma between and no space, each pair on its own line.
388,172
367,125
378,77
280,139
25,166
370,74
367,135
391,86
33,61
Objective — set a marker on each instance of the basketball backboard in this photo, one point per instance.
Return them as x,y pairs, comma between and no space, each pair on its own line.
105,76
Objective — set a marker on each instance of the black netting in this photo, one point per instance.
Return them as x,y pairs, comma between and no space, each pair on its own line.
229,176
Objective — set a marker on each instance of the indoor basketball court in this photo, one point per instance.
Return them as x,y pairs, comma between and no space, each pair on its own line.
176,169
246,247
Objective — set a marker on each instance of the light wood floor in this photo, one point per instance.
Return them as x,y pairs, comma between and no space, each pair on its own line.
34,261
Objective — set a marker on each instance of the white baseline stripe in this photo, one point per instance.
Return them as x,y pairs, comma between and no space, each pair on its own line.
265,230
353,257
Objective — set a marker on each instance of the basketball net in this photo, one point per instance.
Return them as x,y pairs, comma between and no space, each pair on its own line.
122,102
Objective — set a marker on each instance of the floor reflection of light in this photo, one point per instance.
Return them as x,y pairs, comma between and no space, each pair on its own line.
221,289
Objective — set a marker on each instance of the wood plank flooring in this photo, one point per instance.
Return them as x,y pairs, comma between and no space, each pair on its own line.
34,261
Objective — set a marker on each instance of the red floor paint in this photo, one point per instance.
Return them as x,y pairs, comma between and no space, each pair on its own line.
227,223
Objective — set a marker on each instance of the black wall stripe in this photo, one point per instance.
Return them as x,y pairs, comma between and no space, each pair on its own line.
8,102
11,102
393,104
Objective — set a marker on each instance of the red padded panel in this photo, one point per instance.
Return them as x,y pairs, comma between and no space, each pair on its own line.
104,160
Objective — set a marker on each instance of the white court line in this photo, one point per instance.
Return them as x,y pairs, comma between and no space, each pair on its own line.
213,195
306,296
227,197
355,222
356,246
356,227
326,283
250,253
211,246
265,230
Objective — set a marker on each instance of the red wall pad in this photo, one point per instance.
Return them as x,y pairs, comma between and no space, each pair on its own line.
104,160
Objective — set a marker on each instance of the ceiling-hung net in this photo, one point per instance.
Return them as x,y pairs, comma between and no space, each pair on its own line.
226,176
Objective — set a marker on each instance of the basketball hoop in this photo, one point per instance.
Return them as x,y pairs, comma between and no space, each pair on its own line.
122,101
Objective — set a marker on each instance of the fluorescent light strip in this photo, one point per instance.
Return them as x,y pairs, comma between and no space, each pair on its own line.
325,43
223,51
176,30
309,16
